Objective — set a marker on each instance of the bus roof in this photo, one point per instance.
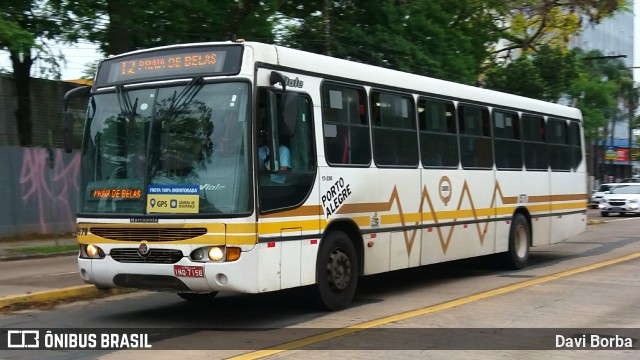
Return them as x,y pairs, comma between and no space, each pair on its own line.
322,65
363,73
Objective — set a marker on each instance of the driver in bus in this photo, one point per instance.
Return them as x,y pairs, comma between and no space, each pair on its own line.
264,159
263,153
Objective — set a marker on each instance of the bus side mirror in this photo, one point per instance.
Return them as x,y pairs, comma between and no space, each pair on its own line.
291,111
68,116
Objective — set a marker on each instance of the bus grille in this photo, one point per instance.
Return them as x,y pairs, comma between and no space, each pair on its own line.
148,234
156,256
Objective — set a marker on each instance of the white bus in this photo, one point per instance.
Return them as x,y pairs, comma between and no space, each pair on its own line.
373,170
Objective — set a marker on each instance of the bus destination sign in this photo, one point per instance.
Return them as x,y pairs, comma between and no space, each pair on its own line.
219,60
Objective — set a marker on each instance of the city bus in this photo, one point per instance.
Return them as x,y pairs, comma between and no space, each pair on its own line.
249,168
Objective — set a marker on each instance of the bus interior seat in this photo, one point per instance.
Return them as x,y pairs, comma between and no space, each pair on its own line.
337,149
345,148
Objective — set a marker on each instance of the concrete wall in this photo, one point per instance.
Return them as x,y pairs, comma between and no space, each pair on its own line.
46,111
38,190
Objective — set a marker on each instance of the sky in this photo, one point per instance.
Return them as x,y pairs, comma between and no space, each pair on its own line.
76,56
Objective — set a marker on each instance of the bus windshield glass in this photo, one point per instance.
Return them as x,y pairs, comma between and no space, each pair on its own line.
167,150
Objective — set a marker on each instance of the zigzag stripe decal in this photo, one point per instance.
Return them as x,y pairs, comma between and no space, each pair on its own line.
410,235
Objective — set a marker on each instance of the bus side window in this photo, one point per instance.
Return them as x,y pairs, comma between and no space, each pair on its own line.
535,148
475,137
438,134
346,125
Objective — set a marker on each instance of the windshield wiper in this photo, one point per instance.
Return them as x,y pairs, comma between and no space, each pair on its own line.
125,102
186,95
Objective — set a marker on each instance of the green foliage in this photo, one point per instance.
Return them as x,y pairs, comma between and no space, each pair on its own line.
520,77
531,24
589,81
436,38
517,46
25,25
121,26
545,75
13,37
603,83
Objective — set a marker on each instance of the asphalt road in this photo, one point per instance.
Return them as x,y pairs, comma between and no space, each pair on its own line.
549,294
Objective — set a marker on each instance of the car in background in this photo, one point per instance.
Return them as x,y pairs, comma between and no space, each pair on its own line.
634,179
621,199
596,195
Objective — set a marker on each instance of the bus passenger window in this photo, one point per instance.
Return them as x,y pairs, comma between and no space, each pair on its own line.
346,126
438,134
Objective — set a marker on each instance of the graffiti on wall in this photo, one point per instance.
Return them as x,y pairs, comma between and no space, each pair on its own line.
49,182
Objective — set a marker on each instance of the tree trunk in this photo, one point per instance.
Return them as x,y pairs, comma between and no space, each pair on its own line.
236,15
119,37
22,80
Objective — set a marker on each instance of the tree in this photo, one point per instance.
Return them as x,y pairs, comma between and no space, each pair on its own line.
530,24
25,26
598,92
443,39
449,39
124,25
545,75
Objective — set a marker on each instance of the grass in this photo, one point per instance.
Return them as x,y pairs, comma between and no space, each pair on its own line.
37,236
53,249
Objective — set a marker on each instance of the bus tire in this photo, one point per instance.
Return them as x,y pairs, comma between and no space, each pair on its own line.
517,256
198,297
336,272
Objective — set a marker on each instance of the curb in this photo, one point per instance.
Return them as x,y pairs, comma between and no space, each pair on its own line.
48,295
36,256
596,222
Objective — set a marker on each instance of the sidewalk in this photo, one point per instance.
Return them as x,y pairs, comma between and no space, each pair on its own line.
40,270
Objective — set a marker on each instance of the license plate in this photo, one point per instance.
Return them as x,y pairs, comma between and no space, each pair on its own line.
188,271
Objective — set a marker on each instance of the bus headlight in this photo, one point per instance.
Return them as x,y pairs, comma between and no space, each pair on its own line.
216,253
198,254
91,251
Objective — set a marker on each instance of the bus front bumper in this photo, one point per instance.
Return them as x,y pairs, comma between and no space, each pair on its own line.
183,276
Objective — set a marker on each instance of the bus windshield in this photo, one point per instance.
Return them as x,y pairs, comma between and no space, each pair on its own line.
167,150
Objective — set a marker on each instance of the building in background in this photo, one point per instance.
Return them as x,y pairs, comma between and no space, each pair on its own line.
617,157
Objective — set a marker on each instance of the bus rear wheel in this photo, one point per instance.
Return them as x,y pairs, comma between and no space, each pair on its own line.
336,272
198,297
519,243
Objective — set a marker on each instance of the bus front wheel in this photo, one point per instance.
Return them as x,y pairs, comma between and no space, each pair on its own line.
198,297
519,243
336,271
